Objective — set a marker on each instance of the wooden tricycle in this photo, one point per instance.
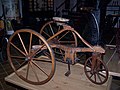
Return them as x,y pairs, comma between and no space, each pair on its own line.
35,54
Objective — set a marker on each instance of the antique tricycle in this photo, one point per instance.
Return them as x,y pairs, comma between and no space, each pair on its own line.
33,54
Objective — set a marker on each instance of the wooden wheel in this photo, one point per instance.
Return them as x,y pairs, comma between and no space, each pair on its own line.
61,36
33,65
97,75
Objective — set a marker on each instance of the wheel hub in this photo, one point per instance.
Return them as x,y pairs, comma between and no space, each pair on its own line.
28,58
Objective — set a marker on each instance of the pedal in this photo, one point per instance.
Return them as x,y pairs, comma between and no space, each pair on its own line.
69,71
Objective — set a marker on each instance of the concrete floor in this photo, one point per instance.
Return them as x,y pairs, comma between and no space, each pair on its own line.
112,59
5,70
77,80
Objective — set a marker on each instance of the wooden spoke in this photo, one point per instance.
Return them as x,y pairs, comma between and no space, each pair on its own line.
40,68
102,70
99,77
47,54
37,50
90,62
63,35
22,43
95,77
27,70
42,60
67,42
102,75
46,34
22,64
62,53
17,49
30,43
34,71
51,29
91,75
18,57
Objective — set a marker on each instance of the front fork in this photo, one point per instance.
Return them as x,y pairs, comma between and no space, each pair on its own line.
95,61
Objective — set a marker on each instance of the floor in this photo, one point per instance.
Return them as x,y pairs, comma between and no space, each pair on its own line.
113,66
77,80
5,70
112,59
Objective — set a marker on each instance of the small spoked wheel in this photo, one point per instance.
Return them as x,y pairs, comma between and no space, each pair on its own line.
61,36
97,74
31,61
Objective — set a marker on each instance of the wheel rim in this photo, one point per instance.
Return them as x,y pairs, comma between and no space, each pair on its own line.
28,62
50,29
99,74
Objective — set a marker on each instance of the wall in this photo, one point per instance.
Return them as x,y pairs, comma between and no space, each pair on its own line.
11,8
113,8
0,8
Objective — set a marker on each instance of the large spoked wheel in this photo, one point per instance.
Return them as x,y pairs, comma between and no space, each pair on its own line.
61,36
32,62
99,73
